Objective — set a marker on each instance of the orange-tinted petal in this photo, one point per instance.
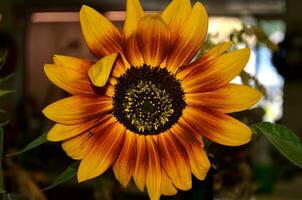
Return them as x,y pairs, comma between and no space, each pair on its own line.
219,72
175,161
70,74
100,71
133,53
101,36
199,161
217,127
78,109
215,52
102,152
76,147
119,68
200,63
191,36
109,91
125,163
72,62
227,99
154,40
175,14
62,132
134,12
167,187
153,179
112,81
141,166
163,63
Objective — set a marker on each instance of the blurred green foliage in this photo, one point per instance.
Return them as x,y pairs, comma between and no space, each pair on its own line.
4,92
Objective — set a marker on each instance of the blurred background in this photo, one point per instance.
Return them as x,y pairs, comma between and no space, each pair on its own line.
32,31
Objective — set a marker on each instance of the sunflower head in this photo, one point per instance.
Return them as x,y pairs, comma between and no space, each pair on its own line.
144,105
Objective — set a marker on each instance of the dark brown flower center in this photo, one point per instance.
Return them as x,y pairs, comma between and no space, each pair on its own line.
148,100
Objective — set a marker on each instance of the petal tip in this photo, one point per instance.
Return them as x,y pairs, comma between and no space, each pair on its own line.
228,44
53,135
59,59
242,55
48,111
85,8
200,6
45,111
82,176
81,179
56,56
258,95
56,59
50,137
247,139
245,51
46,68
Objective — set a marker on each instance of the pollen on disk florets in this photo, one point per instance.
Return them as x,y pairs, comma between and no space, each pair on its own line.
148,100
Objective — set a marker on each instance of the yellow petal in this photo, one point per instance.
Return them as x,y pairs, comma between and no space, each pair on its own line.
227,99
100,71
102,152
76,147
62,132
72,62
73,81
200,63
153,179
218,73
191,36
175,161
134,12
125,163
175,15
141,166
78,109
217,127
167,187
70,74
154,40
215,51
101,36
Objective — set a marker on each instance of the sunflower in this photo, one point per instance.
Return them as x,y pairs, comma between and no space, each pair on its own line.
145,104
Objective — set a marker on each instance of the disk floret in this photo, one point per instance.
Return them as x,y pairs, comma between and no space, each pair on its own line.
148,100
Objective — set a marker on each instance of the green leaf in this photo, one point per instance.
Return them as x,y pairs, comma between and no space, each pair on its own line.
4,92
6,78
69,173
2,59
285,140
2,188
38,141
3,123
